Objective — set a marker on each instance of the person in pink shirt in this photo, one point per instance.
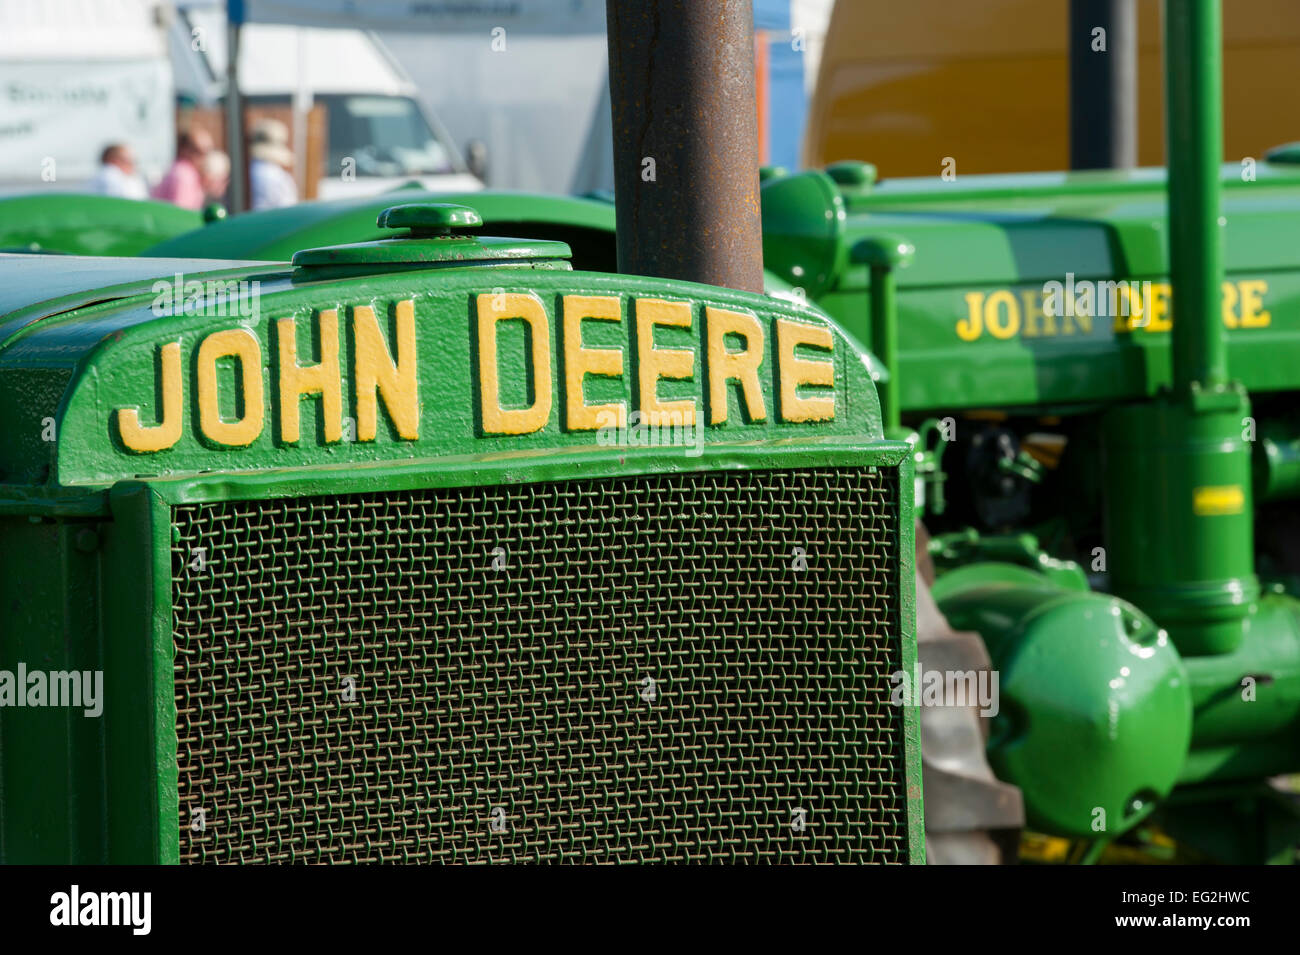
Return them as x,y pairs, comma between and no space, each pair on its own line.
183,184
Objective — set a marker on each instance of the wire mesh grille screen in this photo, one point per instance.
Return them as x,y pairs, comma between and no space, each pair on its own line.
686,667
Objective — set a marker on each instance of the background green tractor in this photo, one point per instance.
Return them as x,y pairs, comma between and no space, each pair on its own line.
68,223
1099,373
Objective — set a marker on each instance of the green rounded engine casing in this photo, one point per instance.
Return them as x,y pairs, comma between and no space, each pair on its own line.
70,223
1095,708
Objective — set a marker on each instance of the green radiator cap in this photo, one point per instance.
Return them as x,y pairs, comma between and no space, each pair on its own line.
435,236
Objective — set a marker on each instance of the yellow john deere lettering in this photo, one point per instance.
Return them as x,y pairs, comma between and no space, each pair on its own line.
1129,306
728,346
723,362
376,373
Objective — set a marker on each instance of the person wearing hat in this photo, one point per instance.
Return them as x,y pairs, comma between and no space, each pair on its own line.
271,183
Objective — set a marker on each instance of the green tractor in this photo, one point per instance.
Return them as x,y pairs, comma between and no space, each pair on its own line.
1098,372
420,544
68,223
458,547
1109,643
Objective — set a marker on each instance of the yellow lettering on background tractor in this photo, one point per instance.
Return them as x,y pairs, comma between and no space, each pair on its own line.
998,326
1130,306
1229,304
1252,304
970,327
241,344
167,432
1158,308
493,308
1031,304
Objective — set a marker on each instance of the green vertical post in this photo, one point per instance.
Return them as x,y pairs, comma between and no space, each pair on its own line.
883,254
1194,104
1179,514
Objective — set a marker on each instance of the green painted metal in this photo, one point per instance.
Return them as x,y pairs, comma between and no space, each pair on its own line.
990,244
1286,153
93,519
1194,142
852,175
1179,519
1247,702
132,630
52,757
114,351
804,231
429,218
434,236
968,546
136,636
1095,710
74,224
883,255
277,234
32,385
1276,460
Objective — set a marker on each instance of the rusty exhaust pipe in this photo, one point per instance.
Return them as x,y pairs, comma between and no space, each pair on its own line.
681,83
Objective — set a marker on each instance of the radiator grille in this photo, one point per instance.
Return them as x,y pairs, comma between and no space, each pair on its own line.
686,667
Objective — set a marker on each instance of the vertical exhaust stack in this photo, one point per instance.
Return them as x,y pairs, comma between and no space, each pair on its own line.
1103,84
681,82
1194,143
1180,516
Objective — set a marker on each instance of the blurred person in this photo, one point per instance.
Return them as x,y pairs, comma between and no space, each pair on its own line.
270,182
183,184
215,171
117,175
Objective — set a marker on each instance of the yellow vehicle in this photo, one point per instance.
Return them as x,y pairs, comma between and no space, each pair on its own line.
985,85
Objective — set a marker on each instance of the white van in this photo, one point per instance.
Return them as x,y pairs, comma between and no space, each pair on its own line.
378,136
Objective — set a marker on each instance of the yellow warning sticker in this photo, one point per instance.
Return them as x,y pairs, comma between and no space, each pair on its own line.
1221,499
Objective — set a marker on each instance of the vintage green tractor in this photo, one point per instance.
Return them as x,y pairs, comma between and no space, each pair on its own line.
1107,492
1099,373
422,545
67,223
434,548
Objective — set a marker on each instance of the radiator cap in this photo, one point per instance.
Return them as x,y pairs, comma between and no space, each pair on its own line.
435,237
